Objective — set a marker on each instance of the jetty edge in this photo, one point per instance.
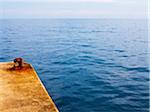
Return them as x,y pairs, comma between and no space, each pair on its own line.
21,90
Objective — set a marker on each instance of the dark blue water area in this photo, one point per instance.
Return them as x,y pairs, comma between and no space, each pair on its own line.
87,65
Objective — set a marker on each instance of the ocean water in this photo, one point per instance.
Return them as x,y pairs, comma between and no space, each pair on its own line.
87,65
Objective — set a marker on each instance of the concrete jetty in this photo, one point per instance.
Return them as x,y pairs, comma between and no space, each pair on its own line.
21,89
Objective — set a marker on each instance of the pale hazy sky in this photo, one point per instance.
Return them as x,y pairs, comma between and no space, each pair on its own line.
73,8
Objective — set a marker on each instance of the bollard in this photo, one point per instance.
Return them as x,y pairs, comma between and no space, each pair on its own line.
18,63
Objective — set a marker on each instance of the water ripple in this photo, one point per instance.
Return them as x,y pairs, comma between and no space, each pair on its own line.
87,65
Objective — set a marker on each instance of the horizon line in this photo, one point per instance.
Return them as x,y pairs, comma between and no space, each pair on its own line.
79,18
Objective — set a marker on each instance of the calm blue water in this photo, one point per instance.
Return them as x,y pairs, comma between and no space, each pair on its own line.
86,65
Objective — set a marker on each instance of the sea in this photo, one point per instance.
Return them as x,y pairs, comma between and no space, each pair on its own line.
86,65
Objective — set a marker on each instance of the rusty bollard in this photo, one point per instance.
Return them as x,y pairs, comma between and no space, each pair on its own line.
18,63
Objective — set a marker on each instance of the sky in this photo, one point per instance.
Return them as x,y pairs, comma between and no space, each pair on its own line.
73,8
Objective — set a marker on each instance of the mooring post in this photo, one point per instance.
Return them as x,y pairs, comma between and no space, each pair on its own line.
18,63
